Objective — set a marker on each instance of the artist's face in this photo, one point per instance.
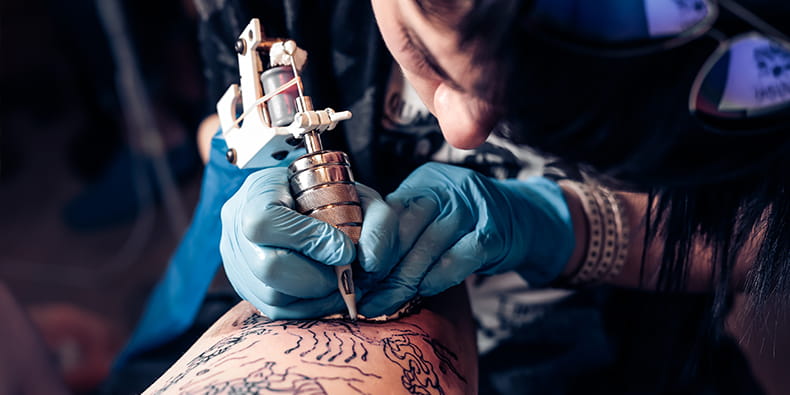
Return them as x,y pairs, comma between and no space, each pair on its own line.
443,76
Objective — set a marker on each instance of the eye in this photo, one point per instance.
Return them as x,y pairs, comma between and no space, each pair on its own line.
416,57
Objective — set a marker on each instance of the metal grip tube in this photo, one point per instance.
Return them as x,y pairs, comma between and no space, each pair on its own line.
323,187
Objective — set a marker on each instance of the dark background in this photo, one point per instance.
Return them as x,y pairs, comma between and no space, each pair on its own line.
79,248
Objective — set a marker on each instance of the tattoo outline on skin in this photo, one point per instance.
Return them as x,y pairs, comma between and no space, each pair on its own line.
322,348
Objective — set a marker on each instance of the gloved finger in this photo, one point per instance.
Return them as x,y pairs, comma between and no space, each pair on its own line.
264,295
442,233
386,299
306,308
290,273
244,282
435,239
267,187
266,298
452,268
402,284
377,251
267,219
254,291
415,212
283,270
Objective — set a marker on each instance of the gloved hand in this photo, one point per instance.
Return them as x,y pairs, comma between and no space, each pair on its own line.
281,261
454,222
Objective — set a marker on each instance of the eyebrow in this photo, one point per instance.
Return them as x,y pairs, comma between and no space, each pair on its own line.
430,60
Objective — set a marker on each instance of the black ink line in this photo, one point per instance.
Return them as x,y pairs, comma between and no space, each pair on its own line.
228,359
298,343
252,362
364,356
221,360
175,379
353,351
328,347
197,381
358,390
306,324
315,344
339,348
444,354
254,319
418,373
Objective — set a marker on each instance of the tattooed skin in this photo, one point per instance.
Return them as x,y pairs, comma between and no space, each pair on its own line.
258,355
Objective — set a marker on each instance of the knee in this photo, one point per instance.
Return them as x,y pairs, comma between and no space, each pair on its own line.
206,130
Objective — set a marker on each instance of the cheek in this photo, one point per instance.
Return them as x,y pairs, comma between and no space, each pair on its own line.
385,12
425,88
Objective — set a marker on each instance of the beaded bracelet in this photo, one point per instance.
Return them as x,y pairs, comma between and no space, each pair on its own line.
608,235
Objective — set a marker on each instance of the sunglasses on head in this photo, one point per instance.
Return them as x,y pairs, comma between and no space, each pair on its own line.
742,88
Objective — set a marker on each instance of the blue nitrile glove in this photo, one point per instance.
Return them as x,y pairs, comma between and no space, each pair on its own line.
454,222
281,261
176,300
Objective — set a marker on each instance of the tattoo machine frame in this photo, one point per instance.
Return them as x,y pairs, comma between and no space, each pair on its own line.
277,118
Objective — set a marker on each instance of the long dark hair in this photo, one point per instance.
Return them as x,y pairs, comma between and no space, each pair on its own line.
628,118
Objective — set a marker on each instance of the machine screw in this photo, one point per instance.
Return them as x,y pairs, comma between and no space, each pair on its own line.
240,46
280,155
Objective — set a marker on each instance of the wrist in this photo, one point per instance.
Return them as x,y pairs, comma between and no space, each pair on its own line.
604,249
580,232
542,250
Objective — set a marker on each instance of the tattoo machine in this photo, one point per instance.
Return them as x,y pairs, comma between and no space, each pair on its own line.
277,118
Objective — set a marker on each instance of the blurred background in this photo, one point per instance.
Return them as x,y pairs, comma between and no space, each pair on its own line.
97,183
91,207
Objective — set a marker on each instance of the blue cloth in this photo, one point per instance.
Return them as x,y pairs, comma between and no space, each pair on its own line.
176,300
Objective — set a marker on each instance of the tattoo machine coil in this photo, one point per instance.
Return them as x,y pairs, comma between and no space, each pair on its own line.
277,118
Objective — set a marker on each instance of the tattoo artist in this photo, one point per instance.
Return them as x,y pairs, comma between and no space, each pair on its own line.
704,161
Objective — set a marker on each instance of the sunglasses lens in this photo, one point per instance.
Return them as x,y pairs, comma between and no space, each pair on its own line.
748,77
669,18
623,23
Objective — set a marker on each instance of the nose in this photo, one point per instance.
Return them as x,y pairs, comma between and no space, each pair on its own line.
465,120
